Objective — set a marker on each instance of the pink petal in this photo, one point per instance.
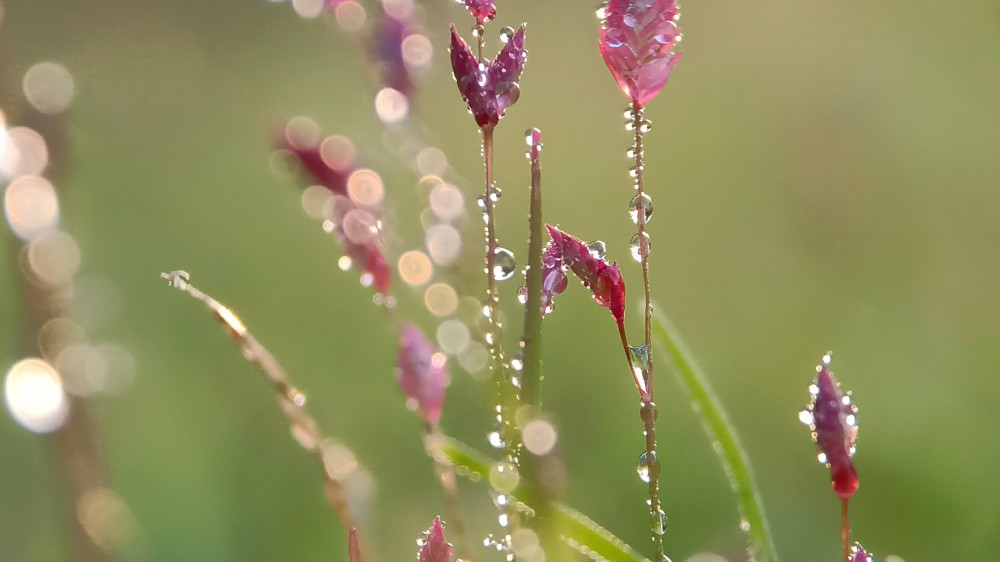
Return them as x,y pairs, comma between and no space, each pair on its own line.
569,252
435,549
636,41
482,10
421,372
833,419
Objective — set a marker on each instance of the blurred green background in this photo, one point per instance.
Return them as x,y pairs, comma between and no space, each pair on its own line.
825,176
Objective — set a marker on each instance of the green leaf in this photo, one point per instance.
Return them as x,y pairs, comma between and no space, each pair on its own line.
731,453
575,528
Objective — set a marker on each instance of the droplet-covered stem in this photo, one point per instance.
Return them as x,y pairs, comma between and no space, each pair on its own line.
657,519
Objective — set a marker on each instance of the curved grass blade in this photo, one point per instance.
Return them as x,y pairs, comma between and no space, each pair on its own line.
717,423
575,528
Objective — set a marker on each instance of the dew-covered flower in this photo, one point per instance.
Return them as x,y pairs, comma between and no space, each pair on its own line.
433,548
488,87
482,10
833,419
568,253
858,554
637,38
421,373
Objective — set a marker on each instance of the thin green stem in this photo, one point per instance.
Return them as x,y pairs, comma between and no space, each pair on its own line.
732,455
532,339
648,409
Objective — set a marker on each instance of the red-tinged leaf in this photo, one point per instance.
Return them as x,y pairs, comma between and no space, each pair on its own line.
488,88
637,37
567,252
354,546
434,548
482,10
421,372
858,554
311,159
833,419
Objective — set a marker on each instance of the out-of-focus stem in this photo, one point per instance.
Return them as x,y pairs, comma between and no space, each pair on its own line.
445,471
292,401
648,411
845,530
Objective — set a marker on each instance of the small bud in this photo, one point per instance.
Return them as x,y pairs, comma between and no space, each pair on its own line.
636,41
833,419
434,548
488,89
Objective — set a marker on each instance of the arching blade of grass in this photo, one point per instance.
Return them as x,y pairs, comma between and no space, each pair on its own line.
717,423
575,528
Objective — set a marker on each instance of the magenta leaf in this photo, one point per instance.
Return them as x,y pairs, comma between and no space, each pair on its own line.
488,88
858,554
433,548
421,373
482,10
354,546
833,419
637,37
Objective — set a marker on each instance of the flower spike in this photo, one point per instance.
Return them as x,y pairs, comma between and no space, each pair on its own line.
482,10
433,548
637,37
833,419
567,252
488,88
858,554
421,373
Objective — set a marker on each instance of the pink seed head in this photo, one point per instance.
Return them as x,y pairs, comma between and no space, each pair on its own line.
858,554
567,252
482,10
434,548
421,372
489,88
637,38
833,419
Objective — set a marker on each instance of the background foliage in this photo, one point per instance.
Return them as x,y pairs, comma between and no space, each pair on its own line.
825,176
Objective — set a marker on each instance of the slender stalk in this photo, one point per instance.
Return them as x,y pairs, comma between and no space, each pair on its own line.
445,472
292,400
531,380
648,411
845,530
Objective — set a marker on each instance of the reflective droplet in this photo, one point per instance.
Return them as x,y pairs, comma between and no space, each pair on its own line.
629,113
505,34
504,264
643,467
659,523
598,249
806,417
517,361
495,194
630,152
496,440
602,10
504,477
634,170
821,457
639,246
646,126
522,294
630,125
478,30
640,203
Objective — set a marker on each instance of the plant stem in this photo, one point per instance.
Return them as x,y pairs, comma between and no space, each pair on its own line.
531,380
445,471
845,530
291,400
648,411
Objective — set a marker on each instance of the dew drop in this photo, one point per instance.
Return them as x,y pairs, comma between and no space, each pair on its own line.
630,152
659,523
504,477
496,440
814,390
495,194
821,457
517,362
522,294
806,417
646,460
504,264
646,126
505,34
598,249
478,30
629,113
639,246
602,10
634,170
640,203
630,125
481,202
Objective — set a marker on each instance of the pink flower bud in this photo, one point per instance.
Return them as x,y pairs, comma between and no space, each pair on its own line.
858,554
488,88
433,548
833,419
421,372
482,10
636,41
567,252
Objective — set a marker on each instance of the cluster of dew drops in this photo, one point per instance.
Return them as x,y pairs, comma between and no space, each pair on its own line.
640,207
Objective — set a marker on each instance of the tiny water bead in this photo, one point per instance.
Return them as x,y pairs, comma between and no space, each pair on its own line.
639,246
645,126
504,264
598,249
659,523
504,477
630,152
647,462
478,30
602,10
522,294
517,361
505,34
640,204
635,170
533,138
496,440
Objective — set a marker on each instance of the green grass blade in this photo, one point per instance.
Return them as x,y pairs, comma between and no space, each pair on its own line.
731,452
575,528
